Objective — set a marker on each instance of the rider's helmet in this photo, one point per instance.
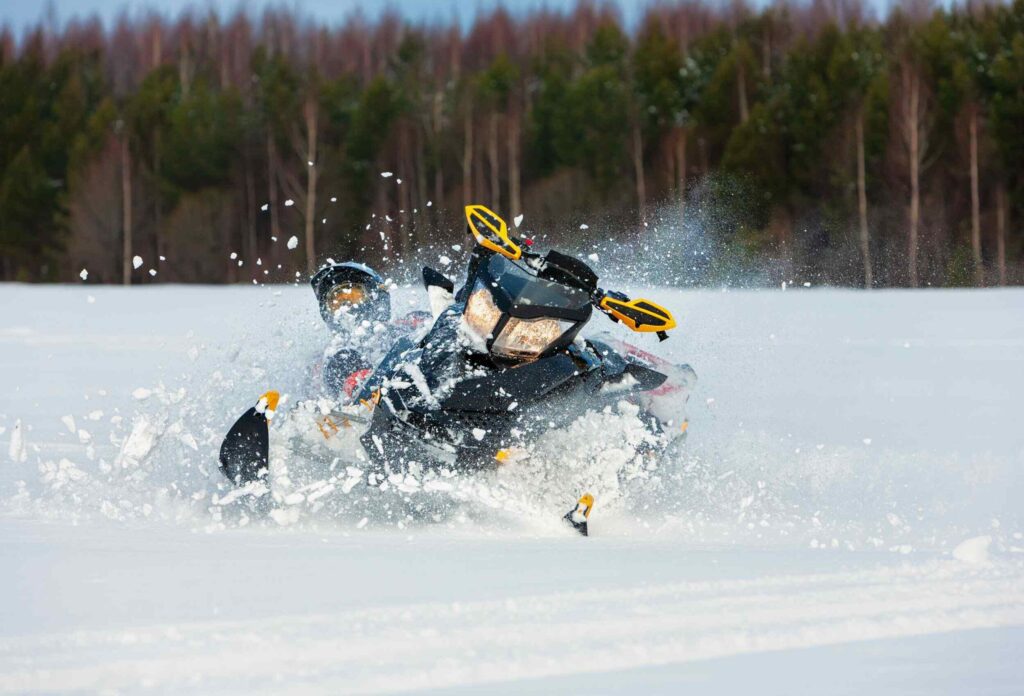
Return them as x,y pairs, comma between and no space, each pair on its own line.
347,291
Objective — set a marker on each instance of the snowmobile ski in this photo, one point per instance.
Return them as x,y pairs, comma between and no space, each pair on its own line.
244,454
578,516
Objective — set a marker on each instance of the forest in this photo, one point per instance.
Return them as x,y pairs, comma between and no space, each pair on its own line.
717,143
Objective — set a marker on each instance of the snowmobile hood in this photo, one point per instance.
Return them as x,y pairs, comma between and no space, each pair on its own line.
524,295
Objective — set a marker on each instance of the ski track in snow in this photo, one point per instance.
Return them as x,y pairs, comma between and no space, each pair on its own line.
433,645
839,426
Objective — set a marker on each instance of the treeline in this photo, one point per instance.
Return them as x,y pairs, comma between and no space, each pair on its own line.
806,141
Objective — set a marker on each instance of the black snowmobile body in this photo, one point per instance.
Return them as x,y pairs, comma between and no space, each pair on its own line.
473,410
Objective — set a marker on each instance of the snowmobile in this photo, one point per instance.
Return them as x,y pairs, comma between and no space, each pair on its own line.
472,384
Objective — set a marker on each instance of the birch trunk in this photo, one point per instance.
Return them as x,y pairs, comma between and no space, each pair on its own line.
250,211
467,157
638,170
514,195
862,204
492,157
158,212
741,86
275,221
979,271
126,210
915,165
312,117
681,172
1001,231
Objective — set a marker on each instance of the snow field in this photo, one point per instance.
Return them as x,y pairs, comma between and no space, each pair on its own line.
853,472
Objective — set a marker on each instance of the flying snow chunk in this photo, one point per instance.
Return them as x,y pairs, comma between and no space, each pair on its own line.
334,199
584,227
152,272
141,393
140,441
16,450
233,256
518,220
443,260
479,433
265,207
973,550
84,275
593,257
293,242
136,262
289,203
387,175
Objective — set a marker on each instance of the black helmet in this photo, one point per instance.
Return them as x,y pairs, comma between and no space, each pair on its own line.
353,289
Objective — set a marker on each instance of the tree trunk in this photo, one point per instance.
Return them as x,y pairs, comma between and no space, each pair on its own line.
311,114
159,213
467,157
1001,231
862,204
275,222
515,203
492,157
979,271
741,86
250,209
680,183
638,170
126,210
915,164
421,172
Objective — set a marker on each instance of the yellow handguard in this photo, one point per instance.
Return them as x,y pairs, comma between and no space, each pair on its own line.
640,315
491,232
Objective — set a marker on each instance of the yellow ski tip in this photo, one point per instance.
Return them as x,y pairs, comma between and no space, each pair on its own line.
267,403
585,504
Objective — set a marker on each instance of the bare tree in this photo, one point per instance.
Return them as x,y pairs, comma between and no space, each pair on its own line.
467,153
979,270
862,202
311,115
638,171
1001,231
126,207
680,170
912,117
515,203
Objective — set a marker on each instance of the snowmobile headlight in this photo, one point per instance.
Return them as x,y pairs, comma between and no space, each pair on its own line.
528,338
345,295
481,313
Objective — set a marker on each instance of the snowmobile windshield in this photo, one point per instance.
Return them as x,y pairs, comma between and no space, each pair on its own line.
521,316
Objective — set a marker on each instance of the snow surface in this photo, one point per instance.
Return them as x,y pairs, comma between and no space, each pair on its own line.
844,518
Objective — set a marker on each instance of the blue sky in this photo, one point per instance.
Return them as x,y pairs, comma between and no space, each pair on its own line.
20,13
